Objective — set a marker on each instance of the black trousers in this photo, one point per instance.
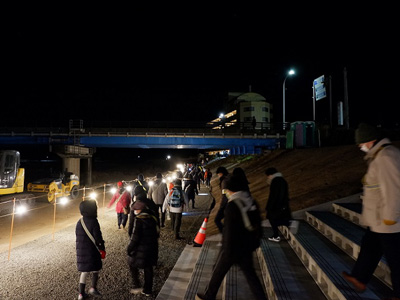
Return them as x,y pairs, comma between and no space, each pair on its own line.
176,221
373,246
148,278
275,223
122,219
222,266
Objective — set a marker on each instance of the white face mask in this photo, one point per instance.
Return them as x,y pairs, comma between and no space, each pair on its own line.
364,148
136,212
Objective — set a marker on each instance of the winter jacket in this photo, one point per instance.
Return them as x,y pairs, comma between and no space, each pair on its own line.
190,188
168,199
381,196
143,245
278,199
88,256
158,191
125,200
151,208
235,237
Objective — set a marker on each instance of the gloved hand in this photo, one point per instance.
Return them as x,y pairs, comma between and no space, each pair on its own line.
102,254
389,222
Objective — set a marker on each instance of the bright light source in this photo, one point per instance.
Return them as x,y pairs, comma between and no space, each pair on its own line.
291,72
21,209
169,178
93,195
113,190
63,200
151,182
168,156
221,115
203,194
164,181
129,188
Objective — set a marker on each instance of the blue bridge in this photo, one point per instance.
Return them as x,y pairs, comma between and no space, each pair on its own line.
238,139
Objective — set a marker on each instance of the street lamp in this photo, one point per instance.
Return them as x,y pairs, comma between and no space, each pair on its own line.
290,73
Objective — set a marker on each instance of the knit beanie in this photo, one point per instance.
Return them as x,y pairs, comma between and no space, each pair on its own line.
366,133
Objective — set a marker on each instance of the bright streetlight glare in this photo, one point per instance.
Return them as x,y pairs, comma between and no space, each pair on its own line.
93,195
113,190
129,188
21,209
151,183
63,200
291,72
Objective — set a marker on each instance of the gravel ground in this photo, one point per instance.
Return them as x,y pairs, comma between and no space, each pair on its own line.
46,268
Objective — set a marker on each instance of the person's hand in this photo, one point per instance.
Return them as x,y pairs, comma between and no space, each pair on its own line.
389,222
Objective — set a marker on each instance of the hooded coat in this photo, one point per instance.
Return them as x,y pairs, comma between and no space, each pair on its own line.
87,255
143,245
381,197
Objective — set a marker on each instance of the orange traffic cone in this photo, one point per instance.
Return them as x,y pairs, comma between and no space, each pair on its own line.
201,235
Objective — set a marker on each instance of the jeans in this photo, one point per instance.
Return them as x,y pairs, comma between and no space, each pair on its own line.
122,219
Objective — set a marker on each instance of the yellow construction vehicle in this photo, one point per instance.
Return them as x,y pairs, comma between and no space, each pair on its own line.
66,186
11,175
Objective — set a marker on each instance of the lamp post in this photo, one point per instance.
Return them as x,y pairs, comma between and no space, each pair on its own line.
290,73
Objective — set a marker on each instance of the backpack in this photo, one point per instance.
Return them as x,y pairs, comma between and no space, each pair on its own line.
252,222
176,198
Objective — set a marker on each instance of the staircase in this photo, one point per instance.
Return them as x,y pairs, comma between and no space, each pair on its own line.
307,265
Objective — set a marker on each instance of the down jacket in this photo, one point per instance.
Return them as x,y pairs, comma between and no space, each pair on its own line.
143,245
87,255
381,197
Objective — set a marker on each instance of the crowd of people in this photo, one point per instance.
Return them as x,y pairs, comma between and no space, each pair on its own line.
238,219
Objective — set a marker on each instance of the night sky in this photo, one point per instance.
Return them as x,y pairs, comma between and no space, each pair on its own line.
177,63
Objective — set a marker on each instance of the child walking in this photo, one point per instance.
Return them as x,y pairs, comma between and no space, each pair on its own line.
90,248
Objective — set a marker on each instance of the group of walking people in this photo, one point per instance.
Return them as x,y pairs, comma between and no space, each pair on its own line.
143,213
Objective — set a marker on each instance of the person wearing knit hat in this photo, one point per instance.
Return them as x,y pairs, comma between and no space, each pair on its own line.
381,210
366,133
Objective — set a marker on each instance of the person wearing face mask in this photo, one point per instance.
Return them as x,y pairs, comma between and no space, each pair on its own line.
143,248
278,209
381,209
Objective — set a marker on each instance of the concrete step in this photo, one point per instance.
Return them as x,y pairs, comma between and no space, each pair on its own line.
346,235
348,211
283,272
325,262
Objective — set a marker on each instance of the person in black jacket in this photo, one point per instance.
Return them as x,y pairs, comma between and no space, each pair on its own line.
278,210
222,172
242,218
143,248
190,189
140,194
87,251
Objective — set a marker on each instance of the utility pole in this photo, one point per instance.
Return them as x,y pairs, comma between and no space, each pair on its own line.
346,100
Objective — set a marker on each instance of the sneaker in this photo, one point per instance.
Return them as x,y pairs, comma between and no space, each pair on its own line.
146,294
136,291
294,226
274,239
358,285
82,296
94,292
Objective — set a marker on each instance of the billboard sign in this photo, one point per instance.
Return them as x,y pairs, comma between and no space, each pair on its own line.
319,88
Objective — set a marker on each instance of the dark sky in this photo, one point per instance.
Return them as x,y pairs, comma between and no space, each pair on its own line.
175,62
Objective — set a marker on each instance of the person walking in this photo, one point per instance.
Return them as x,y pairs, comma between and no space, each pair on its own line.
240,237
190,189
175,203
123,199
90,248
157,193
222,173
143,248
278,209
381,210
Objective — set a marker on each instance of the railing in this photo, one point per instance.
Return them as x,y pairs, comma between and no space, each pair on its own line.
135,127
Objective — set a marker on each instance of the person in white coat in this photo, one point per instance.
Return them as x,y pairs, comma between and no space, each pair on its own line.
381,209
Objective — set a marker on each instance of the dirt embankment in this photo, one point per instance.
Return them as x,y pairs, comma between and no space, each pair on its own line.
314,175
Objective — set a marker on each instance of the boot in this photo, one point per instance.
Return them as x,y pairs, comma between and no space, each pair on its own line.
82,294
